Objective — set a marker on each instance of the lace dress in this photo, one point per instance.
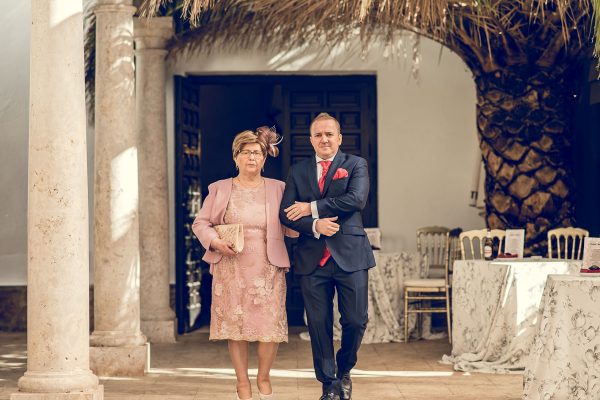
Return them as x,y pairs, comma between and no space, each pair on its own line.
248,293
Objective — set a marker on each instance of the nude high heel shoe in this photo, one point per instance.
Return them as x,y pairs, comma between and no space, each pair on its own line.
237,396
266,396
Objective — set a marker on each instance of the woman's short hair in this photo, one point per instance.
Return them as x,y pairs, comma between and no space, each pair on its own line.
266,137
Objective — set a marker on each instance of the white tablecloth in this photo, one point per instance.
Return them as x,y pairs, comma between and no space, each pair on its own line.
386,298
494,309
564,362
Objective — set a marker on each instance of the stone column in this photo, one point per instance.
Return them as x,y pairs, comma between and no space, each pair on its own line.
118,345
151,35
58,364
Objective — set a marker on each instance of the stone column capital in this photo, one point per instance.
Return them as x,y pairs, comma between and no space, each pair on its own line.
152,33
114,2
115,6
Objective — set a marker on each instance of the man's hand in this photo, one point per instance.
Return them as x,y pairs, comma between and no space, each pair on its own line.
326,226
297,211
221,246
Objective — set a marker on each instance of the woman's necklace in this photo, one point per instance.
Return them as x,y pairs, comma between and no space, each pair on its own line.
249,186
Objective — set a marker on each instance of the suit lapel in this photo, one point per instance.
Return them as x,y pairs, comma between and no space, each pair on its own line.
312,178
337,161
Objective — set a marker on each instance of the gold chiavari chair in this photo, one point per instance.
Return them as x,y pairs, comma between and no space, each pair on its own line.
419,294
471,243
566,243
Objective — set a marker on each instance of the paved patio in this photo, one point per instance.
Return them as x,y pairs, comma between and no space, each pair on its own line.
196,369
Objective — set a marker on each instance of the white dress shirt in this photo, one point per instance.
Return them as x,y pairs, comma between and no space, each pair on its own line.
313,204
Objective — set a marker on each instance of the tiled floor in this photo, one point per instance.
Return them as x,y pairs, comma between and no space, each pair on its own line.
196,369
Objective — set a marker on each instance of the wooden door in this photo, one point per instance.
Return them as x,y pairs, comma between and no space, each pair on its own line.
191,271
352,101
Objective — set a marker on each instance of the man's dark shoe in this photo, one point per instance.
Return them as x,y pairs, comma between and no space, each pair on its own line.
330,396
346,387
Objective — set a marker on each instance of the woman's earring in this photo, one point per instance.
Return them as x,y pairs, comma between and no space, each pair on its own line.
236,166
263,168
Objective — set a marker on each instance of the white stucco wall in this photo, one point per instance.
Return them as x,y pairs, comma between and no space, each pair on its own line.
14,125
15,23
426,132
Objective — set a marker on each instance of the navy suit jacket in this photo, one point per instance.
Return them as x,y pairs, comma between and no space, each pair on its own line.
344,198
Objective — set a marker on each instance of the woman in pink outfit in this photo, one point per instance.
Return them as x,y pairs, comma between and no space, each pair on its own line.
248,290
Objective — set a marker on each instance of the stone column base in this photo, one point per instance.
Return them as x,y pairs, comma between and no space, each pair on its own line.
120,361
90,394
159,331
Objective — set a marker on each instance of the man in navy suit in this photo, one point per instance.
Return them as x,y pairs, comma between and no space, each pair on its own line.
323,199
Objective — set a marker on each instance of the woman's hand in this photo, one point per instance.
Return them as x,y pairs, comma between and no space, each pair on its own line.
298,210
221,246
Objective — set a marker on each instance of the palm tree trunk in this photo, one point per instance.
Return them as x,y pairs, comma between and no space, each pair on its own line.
524,125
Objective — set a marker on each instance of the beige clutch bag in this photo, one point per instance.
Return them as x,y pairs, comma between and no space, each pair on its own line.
232,233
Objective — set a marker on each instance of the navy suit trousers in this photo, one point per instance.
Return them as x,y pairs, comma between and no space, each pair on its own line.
317,290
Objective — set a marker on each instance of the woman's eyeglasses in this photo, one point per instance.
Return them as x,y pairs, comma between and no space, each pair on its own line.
248,153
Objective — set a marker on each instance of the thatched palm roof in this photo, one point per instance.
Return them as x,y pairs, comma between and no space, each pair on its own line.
483,31
295,22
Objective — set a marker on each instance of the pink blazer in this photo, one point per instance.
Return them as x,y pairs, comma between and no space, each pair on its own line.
213,211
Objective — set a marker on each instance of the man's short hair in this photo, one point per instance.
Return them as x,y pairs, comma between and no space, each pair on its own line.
325,115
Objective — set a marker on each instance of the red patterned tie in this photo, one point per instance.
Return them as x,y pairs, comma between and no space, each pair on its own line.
325,165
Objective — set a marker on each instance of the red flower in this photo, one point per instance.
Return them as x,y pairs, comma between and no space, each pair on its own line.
340,173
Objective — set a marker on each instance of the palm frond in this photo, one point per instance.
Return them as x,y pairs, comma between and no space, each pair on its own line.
485,33
596,6
483,24
89,24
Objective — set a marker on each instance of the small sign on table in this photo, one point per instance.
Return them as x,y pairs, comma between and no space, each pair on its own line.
591,256
514,243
